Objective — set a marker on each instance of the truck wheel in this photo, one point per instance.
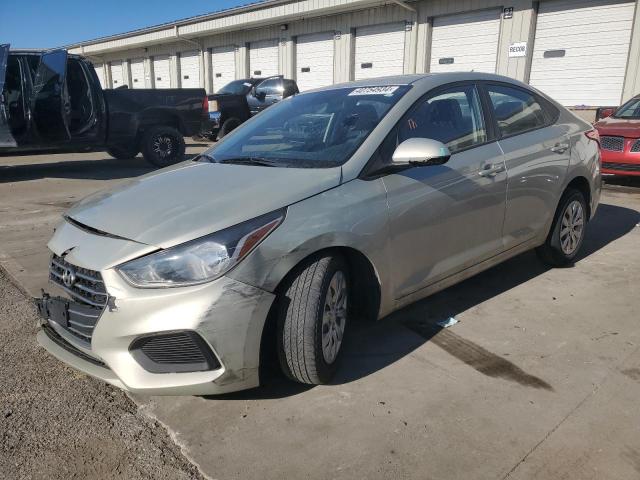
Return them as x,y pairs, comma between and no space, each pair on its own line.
162,146
123,152
228,127
312,316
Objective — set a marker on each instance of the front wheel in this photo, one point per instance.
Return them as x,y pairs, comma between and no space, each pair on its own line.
163,146
567,231
312,320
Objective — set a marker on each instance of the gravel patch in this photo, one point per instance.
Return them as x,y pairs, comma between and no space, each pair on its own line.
57,423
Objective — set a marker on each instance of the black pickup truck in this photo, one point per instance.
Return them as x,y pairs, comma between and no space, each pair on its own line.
53,101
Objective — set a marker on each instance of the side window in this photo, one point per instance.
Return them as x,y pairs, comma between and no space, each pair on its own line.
272,86
516,110
454,117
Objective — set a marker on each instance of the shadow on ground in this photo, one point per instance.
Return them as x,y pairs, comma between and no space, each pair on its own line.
372,347
91,169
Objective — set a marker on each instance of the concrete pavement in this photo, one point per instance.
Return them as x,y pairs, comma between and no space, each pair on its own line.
540,379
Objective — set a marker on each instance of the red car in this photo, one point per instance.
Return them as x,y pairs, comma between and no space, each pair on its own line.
620,139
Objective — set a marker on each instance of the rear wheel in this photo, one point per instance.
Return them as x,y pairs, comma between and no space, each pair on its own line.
567,232
312,320
123,152
163,146
228,126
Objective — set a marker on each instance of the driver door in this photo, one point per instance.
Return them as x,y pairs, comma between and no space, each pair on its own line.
446,218
6,138
49,99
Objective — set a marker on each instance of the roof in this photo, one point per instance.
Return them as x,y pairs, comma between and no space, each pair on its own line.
184,21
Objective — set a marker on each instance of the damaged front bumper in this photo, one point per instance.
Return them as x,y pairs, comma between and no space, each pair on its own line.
142,336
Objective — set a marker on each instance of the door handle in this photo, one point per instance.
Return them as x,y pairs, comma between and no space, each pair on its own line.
560,148
491,170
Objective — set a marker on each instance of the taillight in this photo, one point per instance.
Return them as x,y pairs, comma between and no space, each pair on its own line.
205,107
593,135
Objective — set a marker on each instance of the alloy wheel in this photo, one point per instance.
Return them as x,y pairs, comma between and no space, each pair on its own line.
572,227
334,317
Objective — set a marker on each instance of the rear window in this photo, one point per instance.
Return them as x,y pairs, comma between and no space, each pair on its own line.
515,110
631,109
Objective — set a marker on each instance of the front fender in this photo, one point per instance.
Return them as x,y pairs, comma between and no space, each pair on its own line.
352,215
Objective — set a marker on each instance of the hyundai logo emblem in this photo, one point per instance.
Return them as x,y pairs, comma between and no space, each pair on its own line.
69,277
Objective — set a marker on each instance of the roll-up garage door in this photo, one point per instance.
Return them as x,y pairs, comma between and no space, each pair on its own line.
465,42
314,60
581,49
263,58
379,50
190,69
100,72
117,75
162,71
137,73
223,61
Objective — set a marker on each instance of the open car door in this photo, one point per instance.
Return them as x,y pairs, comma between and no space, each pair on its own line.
6,139
50,100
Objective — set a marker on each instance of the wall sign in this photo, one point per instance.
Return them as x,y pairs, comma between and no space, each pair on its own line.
518,49
507,13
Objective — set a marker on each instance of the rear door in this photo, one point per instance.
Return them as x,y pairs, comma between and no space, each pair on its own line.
49,100
6,139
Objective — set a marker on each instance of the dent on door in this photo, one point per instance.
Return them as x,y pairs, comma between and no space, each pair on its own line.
49,101
6,138
445,218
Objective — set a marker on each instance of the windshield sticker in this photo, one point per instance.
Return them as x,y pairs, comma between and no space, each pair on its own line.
247,84
374,91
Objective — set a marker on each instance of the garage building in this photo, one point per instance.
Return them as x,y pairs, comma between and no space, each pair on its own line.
584,53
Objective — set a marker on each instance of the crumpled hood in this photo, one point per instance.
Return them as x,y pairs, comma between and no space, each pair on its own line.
620,127
193,199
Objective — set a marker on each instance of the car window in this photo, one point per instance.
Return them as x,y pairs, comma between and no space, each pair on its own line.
271,86
453,117
516,110
313,130
237,87
631,109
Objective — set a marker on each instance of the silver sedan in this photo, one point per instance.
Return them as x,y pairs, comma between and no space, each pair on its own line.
349,201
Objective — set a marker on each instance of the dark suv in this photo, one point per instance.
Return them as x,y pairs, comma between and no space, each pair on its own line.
237,101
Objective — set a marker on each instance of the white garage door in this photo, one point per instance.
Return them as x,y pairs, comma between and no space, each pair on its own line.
100,72
223,61
117,75
190,69
263,58
314,60
580,50
379,51
137,73
162,71
465,42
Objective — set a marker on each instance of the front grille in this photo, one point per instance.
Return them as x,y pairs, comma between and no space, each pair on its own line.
86,288
174,352
635,148
58,340
623,167
613,144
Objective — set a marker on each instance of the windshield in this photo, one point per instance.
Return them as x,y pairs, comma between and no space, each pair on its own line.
631,109
237,87
312,130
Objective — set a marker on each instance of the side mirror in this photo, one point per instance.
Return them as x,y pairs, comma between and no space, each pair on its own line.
421,152
259,94
604,112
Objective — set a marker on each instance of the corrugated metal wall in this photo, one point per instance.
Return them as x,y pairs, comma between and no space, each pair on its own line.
341,17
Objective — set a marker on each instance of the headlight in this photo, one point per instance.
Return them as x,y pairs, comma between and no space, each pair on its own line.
200,260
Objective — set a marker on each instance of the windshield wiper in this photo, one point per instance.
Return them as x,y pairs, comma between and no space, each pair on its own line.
204,157
259,161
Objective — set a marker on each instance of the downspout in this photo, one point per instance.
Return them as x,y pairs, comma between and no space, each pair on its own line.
188,40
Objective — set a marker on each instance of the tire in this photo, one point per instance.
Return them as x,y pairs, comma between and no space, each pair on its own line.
301,311
123,152
564,241
228,126
163,146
